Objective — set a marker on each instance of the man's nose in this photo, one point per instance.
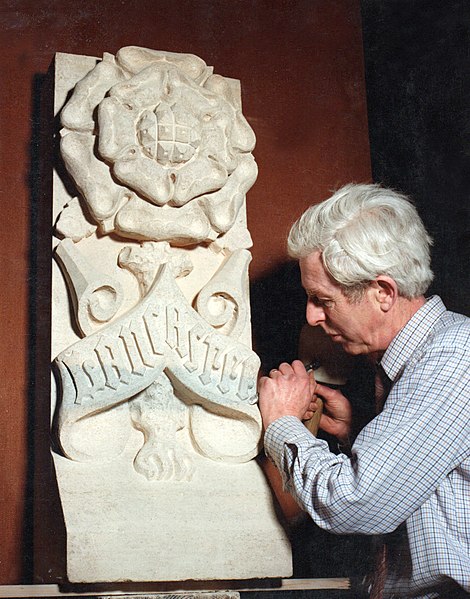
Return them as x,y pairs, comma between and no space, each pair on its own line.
315,314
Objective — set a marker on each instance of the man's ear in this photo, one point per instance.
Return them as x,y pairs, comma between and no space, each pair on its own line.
386,292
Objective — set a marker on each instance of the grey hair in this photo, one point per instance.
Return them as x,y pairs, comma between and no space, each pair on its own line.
363,231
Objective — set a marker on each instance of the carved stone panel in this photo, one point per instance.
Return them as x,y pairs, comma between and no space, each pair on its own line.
154,406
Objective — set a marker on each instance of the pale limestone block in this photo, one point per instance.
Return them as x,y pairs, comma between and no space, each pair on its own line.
156,409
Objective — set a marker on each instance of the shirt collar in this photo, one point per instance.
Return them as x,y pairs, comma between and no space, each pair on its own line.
410,337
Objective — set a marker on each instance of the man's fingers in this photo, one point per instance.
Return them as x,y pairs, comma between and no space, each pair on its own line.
327,393
298,367
313,406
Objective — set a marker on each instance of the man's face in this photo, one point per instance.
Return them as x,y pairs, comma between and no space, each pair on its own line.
354,324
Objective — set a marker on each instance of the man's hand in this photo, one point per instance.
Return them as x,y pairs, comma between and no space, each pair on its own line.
287,391
337,414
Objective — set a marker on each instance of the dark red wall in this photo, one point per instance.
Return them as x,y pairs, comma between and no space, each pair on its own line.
301,67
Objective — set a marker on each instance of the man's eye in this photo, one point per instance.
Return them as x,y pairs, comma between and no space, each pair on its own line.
319,302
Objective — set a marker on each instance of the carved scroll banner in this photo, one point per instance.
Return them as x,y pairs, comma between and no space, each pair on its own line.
155,418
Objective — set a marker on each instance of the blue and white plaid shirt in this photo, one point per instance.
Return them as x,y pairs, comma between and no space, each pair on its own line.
410,464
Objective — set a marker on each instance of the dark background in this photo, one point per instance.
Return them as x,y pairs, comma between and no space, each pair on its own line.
417,60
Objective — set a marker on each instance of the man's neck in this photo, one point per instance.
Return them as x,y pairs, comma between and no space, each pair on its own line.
406,309
403,310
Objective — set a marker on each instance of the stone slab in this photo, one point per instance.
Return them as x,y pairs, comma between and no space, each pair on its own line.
196,506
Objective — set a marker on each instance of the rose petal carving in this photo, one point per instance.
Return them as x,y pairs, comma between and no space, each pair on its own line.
155,142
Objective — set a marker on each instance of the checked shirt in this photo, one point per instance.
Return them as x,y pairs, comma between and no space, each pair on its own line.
409,469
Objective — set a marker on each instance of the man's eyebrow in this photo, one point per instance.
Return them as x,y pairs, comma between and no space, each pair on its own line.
319,297
315,292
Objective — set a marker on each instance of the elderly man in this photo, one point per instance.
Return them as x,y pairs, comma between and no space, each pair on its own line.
365,264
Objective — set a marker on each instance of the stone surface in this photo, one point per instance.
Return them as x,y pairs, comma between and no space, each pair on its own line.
155,406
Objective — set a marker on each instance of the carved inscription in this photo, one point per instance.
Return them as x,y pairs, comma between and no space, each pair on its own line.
202,353
137,348
162,333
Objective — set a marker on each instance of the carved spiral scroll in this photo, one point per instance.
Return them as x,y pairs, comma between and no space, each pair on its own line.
96,296
218,309
222,301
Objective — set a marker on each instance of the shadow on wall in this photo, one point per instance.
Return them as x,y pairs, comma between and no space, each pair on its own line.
278,304
44,531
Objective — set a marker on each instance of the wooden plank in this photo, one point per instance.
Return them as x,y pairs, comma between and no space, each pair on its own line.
53,590
310,584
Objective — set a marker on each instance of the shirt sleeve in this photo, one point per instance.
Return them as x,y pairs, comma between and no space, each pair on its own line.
397,461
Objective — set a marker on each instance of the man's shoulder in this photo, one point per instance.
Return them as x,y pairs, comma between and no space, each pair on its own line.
432,330
447,343
452,328
442,349
434,320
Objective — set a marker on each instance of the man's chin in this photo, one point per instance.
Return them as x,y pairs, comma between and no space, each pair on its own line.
350,347
353,349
